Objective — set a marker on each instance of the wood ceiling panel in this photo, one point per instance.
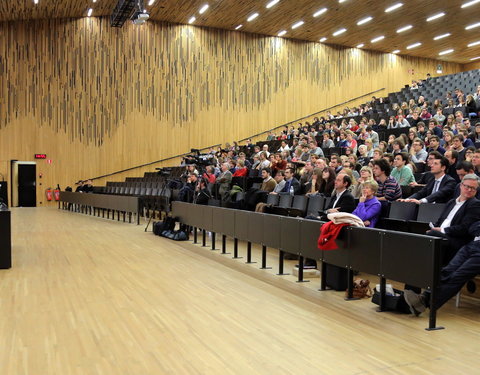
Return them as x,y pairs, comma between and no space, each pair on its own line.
227,14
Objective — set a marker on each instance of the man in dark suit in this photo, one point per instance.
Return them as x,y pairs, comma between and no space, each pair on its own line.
439,189
342,200
457,217
463,267
291,181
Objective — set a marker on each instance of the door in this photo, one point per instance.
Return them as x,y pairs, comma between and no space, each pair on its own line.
27,190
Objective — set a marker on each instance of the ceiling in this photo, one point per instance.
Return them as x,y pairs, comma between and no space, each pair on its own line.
228,14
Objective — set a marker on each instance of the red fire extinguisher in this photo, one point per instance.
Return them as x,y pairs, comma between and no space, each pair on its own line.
56,193
48,192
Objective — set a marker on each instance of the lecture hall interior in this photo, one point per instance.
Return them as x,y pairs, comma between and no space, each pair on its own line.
167,168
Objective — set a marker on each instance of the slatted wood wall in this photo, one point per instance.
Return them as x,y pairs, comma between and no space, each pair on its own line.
98,99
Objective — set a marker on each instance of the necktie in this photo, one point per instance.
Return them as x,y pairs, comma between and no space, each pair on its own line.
435,187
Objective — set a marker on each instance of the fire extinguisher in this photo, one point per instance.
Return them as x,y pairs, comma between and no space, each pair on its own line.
56,193
48,192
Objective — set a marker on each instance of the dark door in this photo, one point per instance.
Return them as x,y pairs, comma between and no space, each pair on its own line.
27,193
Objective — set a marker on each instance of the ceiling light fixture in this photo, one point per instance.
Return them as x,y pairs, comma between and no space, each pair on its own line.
405,28
341,1
364,20
320,12
464,5
150,3
475,58
203,9
472,26
414,45
393,7
282,33
446,52
396,51
323,39
474,44
435,16
360,45
94,1
377,39
441,36
252,17
35,1
238,27
338,32
192,19
272,3
89,13
298,24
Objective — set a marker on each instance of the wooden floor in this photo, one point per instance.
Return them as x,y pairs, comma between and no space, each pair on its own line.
90,296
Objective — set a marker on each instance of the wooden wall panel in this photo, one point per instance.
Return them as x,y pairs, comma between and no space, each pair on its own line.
471,66
97,99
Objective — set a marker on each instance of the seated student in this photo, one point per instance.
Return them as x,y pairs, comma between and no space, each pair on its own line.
290,182
209,174
388,188
452,157
79,187
476,162
280,180
241,170
401,173
369,207
417,152
268,183
464,266
342,200
202,194
366,174
464,168
434,145
323,181
439,189
87,186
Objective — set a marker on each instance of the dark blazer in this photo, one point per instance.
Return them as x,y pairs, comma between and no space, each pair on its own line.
458,231
444,193
294,183
346,202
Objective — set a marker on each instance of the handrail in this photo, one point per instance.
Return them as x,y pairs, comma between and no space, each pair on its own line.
253,136
152,162
313,114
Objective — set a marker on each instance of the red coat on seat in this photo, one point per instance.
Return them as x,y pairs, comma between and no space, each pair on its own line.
328,234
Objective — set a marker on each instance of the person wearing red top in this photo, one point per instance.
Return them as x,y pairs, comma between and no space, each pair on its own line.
209,174
241,171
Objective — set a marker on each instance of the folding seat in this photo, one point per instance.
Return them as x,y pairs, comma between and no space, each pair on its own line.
399,216
272,199
299,206
427,213
316,204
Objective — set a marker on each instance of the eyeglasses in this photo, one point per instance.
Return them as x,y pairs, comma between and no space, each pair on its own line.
471,188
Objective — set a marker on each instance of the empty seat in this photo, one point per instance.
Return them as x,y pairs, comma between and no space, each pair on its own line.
273,199
316,203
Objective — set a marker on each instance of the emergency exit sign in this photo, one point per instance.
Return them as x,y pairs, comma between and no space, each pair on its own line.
40,156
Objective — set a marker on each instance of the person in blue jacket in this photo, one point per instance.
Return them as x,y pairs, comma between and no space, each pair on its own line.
369,207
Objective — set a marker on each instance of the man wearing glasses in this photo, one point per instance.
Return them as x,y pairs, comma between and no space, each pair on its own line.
457,217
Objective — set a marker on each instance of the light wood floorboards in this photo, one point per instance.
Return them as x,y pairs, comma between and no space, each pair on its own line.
88,296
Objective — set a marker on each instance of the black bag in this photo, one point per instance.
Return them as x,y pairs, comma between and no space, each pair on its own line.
165,225
392,303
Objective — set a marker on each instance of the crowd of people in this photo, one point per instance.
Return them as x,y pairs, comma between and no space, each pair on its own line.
439,150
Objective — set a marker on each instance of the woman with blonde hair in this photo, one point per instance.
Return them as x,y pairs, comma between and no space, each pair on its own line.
366,174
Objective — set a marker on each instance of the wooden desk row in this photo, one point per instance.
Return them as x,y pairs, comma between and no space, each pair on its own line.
88,202
410,258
